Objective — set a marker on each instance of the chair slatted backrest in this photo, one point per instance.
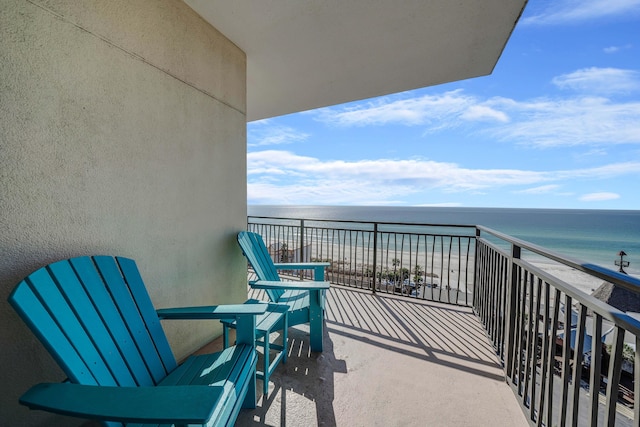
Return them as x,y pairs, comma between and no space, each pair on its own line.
257,253
95,317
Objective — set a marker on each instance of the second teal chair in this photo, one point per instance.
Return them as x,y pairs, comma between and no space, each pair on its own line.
306,300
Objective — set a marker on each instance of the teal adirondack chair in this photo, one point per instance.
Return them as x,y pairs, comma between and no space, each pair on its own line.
95,317
306,300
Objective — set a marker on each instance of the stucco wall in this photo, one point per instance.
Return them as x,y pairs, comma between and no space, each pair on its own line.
123,132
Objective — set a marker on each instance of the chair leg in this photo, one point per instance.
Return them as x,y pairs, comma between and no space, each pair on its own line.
267,374
285,342
316,321
225,336
251,398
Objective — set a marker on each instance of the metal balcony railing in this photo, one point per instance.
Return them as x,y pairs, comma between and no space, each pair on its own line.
569,357
419,261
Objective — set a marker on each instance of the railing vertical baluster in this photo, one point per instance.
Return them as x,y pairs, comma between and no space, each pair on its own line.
491,294
448,270
613,376
594,378
515,288
375,257
511,298
302,257
522,295
466,273
499,299
491,290
536,352
476,267
486,279
545,355
487,294
552,355
343,257
349,257
426,269
490,283
531,339
519,328
355,256
433,255
496,294
577,363
477,278
360,236
401,275
386,262
482,283
636,384
459,269
413,263
566,356
441,268
504,280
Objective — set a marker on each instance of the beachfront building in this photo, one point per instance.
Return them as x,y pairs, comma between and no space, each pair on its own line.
124,132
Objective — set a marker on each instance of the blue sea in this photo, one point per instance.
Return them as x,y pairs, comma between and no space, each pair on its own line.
592,236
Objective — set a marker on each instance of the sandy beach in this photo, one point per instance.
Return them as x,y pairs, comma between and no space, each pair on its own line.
448,264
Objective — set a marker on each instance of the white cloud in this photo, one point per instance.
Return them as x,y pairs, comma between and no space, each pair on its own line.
616,49
600,172
570,11
600,80
543,122
543,189
593,152
399,173
569,122
338,193
599,197
483,112
262,133
440,205
284,177
437,111
411,111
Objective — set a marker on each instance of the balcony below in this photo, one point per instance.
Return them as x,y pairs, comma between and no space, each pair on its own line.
389,361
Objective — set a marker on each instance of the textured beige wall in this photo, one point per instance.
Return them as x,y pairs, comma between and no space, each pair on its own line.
123,132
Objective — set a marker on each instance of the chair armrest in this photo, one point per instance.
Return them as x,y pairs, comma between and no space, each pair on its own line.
163,404
311,286
300,265
229,311
317,267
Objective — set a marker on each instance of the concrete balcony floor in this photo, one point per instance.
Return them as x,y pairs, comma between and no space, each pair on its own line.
389,361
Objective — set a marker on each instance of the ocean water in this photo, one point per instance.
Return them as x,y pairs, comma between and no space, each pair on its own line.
592,236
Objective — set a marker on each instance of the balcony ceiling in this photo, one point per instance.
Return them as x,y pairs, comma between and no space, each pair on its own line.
306,54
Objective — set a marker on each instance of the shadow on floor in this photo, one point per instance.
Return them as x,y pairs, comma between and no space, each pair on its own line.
301,391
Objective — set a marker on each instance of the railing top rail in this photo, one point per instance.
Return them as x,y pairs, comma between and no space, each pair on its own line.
608,312
611,276
352,221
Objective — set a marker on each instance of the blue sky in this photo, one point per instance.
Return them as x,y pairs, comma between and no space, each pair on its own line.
556,125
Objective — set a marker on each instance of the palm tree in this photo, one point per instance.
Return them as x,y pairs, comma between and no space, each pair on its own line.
417,273
395,262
